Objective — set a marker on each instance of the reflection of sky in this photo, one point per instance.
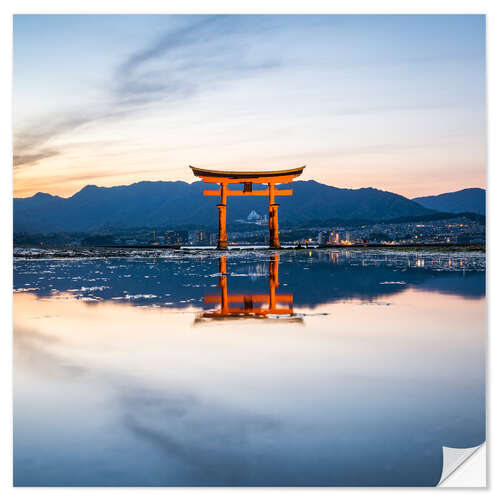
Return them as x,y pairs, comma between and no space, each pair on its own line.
367,393
395,102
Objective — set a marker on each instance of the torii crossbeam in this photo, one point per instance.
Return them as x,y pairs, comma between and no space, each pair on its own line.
248,179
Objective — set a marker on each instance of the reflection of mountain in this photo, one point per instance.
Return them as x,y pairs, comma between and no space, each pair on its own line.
184,282
326,283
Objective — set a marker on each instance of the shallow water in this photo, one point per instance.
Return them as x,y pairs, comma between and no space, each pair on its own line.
303,368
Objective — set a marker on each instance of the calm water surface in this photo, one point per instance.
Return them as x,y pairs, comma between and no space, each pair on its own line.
303,368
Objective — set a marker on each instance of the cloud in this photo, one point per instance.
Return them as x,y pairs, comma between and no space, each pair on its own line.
212,49
31,159
205,53
29,144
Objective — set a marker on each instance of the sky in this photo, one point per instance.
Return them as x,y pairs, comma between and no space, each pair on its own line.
393,102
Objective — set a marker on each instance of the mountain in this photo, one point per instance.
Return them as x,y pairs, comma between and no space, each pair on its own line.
466,200
174,204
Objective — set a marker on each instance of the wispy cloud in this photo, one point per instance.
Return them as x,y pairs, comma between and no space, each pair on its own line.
31,159
205,53
211,49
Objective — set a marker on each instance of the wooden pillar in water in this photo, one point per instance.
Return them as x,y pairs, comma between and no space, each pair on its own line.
223,285
273,281
222,241
274,241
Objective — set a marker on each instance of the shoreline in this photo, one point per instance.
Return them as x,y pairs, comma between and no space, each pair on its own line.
44,252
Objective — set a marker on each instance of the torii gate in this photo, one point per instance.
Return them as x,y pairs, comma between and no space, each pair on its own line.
248,179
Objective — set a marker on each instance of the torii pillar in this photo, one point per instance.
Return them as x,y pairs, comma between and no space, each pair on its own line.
222,206
248,179
274,240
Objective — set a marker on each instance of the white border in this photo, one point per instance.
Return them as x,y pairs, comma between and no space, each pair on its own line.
255,6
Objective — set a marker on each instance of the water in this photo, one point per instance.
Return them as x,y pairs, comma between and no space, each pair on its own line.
304,368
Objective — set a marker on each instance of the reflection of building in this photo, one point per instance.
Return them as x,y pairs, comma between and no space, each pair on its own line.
244,305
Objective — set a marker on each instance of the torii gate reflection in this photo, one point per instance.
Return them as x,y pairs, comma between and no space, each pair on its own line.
253,305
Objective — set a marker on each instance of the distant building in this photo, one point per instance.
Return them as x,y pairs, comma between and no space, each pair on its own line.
200,237
322,238
194,237
212,238
333,238
176,238
253,216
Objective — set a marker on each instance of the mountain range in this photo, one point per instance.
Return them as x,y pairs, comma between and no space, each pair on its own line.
466,200
176,204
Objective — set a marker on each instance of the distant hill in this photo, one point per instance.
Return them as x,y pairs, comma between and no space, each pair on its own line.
466,200
175,204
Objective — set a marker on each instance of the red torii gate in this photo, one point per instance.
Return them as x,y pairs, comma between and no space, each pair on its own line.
248,179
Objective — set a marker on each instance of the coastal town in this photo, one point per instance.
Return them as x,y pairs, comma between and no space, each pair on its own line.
462,229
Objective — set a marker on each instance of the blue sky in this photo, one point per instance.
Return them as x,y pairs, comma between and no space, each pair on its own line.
394,102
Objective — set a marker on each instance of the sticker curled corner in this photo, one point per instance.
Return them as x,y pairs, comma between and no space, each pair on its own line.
453,459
